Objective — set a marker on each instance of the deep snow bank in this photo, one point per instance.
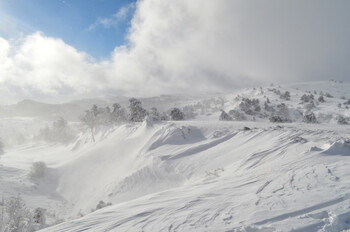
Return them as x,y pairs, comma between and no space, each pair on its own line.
206,177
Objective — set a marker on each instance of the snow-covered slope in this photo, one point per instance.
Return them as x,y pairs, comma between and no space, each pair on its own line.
216,178
198,175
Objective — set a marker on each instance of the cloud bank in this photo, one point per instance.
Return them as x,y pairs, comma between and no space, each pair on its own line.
189,47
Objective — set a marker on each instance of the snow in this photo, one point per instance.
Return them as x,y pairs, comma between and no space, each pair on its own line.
199,175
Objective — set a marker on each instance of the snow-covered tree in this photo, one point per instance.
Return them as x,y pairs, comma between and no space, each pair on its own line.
250,106
189,112
176,114
90,120
137,112
58,131
18,217
119,114
225,116
154,114
116,107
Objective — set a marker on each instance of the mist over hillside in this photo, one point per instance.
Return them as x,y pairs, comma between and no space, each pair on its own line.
270,158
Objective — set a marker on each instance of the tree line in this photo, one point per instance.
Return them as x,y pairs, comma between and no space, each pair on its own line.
135,112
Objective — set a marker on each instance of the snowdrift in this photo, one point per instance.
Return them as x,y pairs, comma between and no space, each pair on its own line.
206,177
341,148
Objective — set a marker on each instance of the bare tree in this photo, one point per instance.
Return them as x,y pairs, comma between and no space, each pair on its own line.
90,119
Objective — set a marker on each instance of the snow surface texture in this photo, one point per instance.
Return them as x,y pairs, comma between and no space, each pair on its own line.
199,175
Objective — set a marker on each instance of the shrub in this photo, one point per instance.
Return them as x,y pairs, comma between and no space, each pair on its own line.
321,99
100,205
341,120
307,98
39,216
309,118
277,119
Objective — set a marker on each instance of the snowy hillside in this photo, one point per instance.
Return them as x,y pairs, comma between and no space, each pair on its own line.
265,166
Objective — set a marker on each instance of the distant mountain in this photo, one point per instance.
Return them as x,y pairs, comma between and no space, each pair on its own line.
72,110
30,108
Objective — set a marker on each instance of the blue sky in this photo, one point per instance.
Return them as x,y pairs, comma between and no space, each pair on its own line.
92,26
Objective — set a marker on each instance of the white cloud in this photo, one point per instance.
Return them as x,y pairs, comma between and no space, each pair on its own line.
190,46
193,46
125,11
114,20
45,67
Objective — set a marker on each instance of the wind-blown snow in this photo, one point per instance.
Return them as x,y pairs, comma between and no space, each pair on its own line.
200,175
242,180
